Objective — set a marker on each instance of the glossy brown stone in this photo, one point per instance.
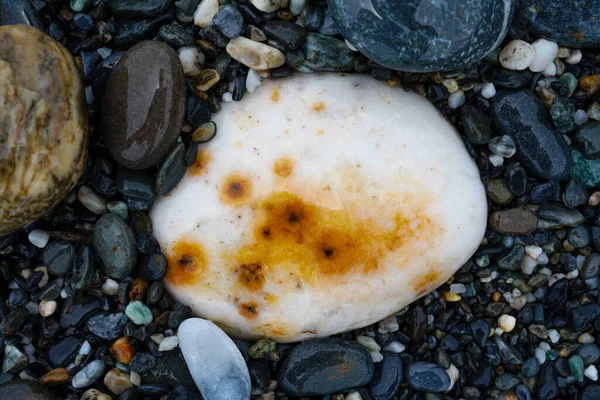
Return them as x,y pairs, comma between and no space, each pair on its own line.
25,390
43,125
144,105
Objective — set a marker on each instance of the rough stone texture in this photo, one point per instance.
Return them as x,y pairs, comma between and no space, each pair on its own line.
144,105
25,390
423,36
43,125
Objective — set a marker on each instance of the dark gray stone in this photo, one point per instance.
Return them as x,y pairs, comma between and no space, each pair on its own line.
171,170
58,257
427,377
25,390
132,31
107,326
290,34
588,135
139,8
15,12
176,35
114,243
229,21
423,35
325,53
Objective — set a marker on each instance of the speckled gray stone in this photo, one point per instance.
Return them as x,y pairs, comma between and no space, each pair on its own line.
423,35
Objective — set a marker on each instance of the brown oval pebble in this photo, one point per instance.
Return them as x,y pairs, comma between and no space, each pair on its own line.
144,105
122,350
55,377
43,125
25,390
518,221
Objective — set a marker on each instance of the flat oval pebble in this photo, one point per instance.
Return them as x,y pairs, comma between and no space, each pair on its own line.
324,366
25,390
427,377
144,105
203,343
43,124
318,191
114,243
387,377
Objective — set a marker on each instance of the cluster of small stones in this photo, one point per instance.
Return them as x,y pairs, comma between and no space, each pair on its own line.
519,320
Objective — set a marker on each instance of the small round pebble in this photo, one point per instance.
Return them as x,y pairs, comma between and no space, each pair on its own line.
517,55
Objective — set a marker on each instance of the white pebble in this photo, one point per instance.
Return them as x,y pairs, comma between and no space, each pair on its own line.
517,55
518,302
581,117
533,251
38,238
543,259
502,146
540,355
104,52
368,342
168,343
390,324
252,81
205,12
450,84
555,278
47,307
586,338
488,90
507,322
85,349
135,378
267,5
593,283
574,57
454,374
395,346
458,288
191,59
591,373
496,160
227,97
110,287
350,46
550,71
456,99
157,338
545,271
255,55
353,396
563,52
498,331
560,67
573,274
594,199
553,335
545,52
376,356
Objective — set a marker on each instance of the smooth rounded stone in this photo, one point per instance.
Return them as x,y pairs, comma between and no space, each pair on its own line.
106,325
64,351
144,105
137,188
545,52
152,267
506,381
229,21
591,392
556,215
114,243
142,362
427,377
387,377
201,343
84,269
290,34
171,369
89,374
58,257
498,191
15,360
519,221
139,8
171,171
476,124
588,135
76,309
91,200
545,192
255,55
589,353
38,98
574,195
25,390
15,12
325,366
517,55
368,219
547,387
563,114
325,53
118,208
138,313
266,5
530,368
540,149
423,36
579,237
117,381
570,23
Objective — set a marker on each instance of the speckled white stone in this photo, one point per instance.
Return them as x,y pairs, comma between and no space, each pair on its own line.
206,11
356,164
517,55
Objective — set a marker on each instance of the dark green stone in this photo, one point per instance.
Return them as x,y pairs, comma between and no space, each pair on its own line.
171,171
325,53
114,243
563,113
476,124
584,170
588,135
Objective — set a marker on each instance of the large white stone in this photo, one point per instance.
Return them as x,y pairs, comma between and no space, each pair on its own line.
325,203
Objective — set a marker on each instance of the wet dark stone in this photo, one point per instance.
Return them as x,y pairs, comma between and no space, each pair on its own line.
144,115
176,35
25,390
137,189
64,351
101,74
260,374
179,314
181,392
17,298
13,321
582,317
307,370
15,12
132,31
152,267
52,290
409,38
450,343
506,381
290,34
417,323
512,260
142,362
172,170
314,18
588,135
427,377
476,124
84,269
517,180
575,195
147,243
229,21
89,60
556,297
480,330
503,78
58,257
106,325
570,23
545,192
589,353
76,310
547,386
592,392
139,8
114,243
170,369
530,368
197,111
483,378
387,377
540,149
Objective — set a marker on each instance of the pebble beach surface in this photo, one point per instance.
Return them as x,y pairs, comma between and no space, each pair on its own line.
84,312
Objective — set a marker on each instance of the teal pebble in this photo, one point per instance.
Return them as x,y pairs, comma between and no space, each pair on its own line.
122,366
81,5
585,171
551,355
138,313
569,80
119,208
563,114
576,365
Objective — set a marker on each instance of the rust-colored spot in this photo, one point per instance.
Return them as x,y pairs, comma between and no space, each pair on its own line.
138,289
199,166
577,35
283,167
186,262
319,106
424,282
236,190
275,95
248,310
251,276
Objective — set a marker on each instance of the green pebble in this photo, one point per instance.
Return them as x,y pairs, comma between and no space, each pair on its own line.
118,207
122,366
585,171
261,348
81,5
551,355
171,171
576,365
325,53
138,313
569,80
563,114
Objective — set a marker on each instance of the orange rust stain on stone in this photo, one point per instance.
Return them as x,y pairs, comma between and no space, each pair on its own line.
251,276
186,263
248,310
319,106
236,190
275,95
199,166
283,167
422,283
